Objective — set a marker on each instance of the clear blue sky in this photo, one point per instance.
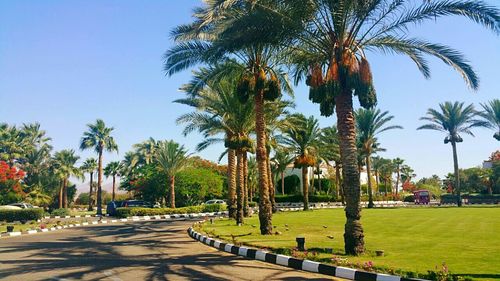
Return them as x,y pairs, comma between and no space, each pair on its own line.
66,63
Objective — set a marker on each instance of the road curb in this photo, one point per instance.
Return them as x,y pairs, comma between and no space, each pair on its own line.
298,264
113,221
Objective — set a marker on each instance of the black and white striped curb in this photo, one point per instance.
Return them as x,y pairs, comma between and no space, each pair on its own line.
75,216
306,265
129,219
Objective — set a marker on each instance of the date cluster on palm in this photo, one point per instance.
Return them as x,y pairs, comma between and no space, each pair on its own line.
304,161
251,84
244,143
351,72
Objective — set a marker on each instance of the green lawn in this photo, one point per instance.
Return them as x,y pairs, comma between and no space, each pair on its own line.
415,239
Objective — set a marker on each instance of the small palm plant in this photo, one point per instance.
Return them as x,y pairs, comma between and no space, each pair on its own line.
491,114
98,137
171,158
453,119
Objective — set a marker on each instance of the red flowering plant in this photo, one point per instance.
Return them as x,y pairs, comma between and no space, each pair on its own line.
11,189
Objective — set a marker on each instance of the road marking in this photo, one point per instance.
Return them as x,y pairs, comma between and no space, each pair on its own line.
110,273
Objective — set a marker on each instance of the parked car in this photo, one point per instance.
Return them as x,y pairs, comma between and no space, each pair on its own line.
9,207
215,201
23,205
112,206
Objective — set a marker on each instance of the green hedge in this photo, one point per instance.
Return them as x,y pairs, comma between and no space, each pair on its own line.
129,212
298,198
21,215
60,212
471,198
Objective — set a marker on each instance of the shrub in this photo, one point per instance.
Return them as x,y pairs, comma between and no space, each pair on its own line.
292,184
128,212
298,198
21,215
60,212
409,198
326,185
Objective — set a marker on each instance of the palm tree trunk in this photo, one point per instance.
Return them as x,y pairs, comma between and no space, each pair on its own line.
246,210
272,189
353,233
337,180
231,176
239,186
90,192
282,182
398,175
171,180
114,189
369,174
61,187
265,208
319,179
305,188
377,180
65,193
99,184
457,173
312,189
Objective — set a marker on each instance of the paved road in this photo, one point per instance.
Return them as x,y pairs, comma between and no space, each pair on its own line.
154,250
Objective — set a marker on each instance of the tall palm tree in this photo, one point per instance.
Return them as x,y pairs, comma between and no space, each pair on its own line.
171,158
453,119
302,138
207,40
282,159
146,150
113,170
329,40
90,166
398,163
491,114
219,111
98,137
64,162
370,123
377,162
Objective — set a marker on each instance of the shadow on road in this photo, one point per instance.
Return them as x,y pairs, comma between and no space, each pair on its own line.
157,248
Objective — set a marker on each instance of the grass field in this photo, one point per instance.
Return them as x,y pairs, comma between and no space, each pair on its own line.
416,239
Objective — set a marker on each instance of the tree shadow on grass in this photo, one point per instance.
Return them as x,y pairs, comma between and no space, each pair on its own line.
158,249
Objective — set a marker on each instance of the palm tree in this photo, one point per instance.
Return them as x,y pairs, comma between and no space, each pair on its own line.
302,138
113,170
376,165
206,40
370,123
171,159
398,162
453,119
219,111
98,137
491,114
146,150
64,163
330,151
328,40
281,160
89,166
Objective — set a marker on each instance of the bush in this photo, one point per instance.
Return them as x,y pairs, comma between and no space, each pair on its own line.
471,198
298,198
292,184
409,199
21,215
60,212
326,185
128,212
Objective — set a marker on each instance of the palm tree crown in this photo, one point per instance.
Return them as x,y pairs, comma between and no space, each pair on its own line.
99,138
491,114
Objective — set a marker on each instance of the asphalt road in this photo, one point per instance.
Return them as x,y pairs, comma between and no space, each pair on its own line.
153,250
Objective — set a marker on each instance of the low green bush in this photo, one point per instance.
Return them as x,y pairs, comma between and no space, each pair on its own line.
60,212
409,199
292,184
298,198
128,212
22,215
471,198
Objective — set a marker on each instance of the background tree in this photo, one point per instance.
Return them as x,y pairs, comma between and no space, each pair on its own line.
491,113
98,137
90,166
171,159
370,123
398,162
302,139
113,170
453,119
65,161
282,159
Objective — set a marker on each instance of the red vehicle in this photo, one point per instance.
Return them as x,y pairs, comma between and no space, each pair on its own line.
422,196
